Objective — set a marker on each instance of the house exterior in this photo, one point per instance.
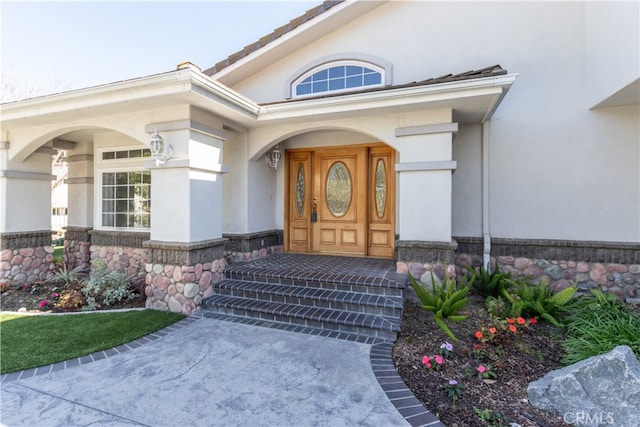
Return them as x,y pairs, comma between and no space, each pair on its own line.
398,137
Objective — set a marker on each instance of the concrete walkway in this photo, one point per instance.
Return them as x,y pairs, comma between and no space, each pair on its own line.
207,372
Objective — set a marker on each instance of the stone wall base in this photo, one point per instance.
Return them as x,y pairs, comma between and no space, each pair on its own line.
620,279
26,257
611,266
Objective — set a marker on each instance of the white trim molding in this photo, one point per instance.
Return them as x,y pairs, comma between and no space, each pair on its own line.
427,129
187,124
426,166
13,174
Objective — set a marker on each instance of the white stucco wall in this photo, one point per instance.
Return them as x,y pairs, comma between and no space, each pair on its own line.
25,193
467,182
611,47
558,170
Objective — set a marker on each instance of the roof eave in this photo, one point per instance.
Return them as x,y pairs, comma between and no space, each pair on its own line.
179,86
441,95
335,17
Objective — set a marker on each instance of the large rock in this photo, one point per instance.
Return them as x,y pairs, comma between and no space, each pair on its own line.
603,390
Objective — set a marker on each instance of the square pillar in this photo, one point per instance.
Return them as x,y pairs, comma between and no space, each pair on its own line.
80,190
425,198
425,182
185,251
26,251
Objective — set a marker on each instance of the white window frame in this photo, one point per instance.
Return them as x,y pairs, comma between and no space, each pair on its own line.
135,164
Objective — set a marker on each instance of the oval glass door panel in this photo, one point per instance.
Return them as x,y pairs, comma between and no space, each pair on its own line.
300,190
338,192
381,188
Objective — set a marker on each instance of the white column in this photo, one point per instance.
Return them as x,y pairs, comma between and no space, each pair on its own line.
186,191
80,186
425,182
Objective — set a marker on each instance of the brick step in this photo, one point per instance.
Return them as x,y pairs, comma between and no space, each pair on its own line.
315,317
341,282
313,297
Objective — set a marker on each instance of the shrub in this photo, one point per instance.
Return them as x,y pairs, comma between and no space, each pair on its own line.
597,324
66,274
531,300
487,283
105,287
70,300
444,301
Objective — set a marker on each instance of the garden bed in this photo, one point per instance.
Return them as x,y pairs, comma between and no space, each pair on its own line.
516,359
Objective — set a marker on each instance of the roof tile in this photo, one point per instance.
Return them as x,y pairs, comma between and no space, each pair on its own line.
493,70
278,32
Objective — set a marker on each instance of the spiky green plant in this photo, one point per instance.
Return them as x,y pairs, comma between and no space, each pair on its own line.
444,300
487,283
537,299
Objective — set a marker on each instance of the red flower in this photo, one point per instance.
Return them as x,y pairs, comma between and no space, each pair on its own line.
512,328
533,320
521,321
510,321
492,330
477,347
479,335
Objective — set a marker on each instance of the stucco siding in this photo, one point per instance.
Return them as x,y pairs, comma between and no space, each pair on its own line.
558,169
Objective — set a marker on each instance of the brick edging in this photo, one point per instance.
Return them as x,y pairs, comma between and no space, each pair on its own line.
396,390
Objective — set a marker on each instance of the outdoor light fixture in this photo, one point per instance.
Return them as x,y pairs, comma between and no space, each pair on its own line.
273,157
160,151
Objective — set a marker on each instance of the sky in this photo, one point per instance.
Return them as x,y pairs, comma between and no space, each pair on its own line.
48,47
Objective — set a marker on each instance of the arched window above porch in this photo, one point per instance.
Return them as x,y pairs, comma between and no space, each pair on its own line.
339,75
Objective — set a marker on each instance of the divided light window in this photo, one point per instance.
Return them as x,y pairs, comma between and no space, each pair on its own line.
126,154
337,78
126,199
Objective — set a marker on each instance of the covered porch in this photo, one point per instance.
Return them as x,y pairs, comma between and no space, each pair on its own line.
210,200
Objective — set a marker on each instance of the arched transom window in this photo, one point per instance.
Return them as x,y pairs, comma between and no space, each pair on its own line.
339,76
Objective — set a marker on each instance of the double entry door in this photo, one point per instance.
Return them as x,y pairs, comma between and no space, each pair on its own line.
341,201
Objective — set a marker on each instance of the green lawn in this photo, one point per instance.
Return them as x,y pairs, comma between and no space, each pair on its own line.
31,341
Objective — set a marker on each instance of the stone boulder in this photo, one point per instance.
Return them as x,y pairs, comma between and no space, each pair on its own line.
603,390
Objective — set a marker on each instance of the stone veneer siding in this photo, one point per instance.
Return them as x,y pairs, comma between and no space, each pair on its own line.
180,275
26,257
122,251
77,246
249,246
611,266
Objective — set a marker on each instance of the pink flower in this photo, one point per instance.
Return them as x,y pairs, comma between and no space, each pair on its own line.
55,295
428,365
481,369
427,361
439,359
43,303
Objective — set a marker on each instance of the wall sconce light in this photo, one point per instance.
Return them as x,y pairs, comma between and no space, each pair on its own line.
160,151
273,157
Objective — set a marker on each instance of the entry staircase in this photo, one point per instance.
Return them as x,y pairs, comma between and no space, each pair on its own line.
361,296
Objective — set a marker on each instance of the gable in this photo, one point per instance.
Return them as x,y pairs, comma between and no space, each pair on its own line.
413,41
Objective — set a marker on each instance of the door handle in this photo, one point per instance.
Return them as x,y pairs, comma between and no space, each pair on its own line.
314,214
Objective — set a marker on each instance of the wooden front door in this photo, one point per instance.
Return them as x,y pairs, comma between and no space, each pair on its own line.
339,195
341,201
